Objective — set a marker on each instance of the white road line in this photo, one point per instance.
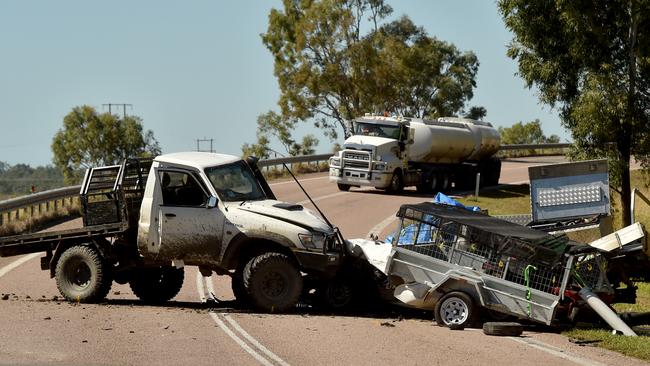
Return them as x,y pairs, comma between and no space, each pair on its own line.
239,341
6,269
205,284
301,180
556,351
254,341
322,197
377,229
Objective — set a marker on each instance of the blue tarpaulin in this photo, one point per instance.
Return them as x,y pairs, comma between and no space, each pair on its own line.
407,235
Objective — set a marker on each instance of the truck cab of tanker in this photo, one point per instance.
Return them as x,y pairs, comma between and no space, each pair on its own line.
391,152
372,153
217,212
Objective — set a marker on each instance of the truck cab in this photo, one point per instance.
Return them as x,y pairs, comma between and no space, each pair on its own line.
217,212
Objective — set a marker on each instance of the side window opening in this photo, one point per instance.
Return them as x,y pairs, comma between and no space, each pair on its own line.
181,189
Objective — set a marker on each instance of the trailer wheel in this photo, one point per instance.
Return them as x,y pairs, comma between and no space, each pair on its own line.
273,282
336,294
82,274
396,184
511,329
455,309
157,285
343,187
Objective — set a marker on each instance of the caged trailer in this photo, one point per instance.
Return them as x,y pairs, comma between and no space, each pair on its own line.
462,264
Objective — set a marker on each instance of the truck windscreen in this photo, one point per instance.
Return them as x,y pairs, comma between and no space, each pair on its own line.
235,182
372,129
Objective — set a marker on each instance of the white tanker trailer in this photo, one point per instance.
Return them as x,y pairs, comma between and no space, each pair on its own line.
395,152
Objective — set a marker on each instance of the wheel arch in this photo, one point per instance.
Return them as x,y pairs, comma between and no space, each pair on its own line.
244,247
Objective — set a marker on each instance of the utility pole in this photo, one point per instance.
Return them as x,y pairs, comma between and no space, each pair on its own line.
124,105
199,141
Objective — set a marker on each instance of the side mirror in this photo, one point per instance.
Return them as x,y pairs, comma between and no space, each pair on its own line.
212,202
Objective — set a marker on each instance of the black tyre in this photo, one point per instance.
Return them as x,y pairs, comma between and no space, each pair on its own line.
157,285
238,289
273,282
396,183
343,187
511,329
456,309
444,182
82,275
336,294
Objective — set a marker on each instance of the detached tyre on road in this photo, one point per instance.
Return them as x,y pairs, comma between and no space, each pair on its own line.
157,285
273,282
82,274
456,310
343,187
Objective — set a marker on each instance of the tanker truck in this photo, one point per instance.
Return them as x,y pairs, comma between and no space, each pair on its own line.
391,153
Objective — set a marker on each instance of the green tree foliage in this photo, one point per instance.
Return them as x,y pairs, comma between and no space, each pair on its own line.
90,139
18,179
330,71
526,133
476,112
591,60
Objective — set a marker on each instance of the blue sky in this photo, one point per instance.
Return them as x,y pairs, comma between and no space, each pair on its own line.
196,69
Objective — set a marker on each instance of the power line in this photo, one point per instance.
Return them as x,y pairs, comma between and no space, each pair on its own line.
124,105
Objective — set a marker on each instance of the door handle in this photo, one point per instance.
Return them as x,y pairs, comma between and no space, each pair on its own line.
170,215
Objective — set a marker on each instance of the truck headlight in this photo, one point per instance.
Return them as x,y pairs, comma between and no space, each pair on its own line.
335,162
312,241
380,166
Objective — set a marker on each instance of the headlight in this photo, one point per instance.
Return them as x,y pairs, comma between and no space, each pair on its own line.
312,241
380,166
335,162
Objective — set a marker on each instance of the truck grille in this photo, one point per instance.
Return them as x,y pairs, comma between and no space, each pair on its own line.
356,160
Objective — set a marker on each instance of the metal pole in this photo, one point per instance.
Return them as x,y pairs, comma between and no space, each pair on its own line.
478,182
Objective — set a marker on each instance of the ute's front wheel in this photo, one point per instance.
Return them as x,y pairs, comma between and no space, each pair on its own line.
157,285
273,282
82,274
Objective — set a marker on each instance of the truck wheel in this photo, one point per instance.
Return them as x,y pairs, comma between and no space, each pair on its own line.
157,285
455,309
343,187
443,180
396,184
273,282
336,294
82,274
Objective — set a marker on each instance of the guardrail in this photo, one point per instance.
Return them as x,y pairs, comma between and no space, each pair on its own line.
10,210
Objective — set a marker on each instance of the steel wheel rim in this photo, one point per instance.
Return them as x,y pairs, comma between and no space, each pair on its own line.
454,311
273,284
78,273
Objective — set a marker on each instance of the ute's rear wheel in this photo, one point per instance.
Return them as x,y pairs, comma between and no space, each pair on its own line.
455,309
157,285
273,282
83,275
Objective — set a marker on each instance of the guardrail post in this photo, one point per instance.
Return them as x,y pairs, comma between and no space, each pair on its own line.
2,214
31,211
56,205
17,214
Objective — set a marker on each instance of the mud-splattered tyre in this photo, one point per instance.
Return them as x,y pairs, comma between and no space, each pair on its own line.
343,187
456,309
273,282
82,274
336,295
157,285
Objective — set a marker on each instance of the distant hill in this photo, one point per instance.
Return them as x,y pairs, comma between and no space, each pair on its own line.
17,180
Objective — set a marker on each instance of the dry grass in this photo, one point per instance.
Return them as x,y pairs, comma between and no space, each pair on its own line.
39,222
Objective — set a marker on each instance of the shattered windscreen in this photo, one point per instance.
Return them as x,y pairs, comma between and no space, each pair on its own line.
235,182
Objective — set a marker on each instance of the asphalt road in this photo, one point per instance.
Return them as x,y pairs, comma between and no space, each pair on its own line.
201,326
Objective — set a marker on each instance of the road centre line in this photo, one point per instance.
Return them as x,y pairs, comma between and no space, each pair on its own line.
6,269
205,284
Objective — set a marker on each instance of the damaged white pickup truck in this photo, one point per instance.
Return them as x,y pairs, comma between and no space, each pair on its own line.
213,211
